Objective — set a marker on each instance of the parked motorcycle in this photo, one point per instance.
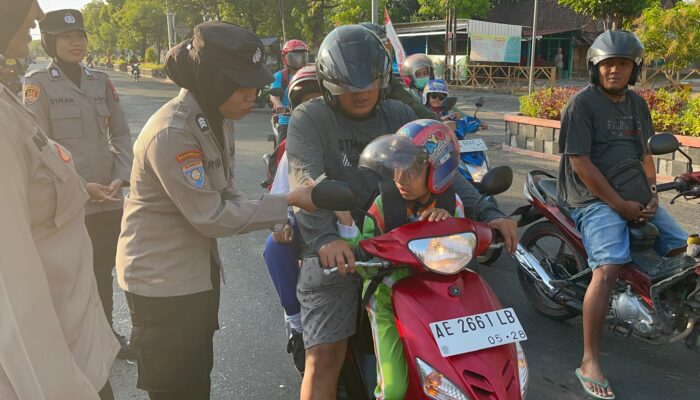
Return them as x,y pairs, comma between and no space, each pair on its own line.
459,341
657,299
135,72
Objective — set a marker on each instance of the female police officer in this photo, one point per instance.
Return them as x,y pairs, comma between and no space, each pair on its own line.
79,109
55,341
182,198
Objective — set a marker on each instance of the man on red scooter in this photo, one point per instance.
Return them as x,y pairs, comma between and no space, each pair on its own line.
422,159
326,136
295,55
604,127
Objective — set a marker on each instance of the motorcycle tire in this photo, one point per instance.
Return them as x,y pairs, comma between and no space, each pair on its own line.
490,256
572,264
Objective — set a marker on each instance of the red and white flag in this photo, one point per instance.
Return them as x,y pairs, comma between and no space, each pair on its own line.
394,39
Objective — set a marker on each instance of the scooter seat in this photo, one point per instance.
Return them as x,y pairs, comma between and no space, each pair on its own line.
548,187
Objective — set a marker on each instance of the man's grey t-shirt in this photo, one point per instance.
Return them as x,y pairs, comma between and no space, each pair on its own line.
593,125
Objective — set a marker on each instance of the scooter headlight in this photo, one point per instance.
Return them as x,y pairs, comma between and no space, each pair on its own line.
436,385
523,372
477,172
446,254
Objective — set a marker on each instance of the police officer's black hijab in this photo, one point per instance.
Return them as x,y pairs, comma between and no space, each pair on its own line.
58,22
220,58
12,15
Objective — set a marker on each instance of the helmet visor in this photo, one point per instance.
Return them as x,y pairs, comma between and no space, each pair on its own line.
341,88
297,59
395,158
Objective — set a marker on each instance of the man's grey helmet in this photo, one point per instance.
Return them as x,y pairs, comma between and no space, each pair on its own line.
611,44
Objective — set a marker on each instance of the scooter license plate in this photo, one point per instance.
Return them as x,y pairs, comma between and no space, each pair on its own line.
470,145
477,332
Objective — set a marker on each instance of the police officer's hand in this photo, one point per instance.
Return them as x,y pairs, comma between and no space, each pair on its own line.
301,197
337,254
115,187
285,235
99,193
509,230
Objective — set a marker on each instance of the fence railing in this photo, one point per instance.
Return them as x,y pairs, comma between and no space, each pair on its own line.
512,78
662,77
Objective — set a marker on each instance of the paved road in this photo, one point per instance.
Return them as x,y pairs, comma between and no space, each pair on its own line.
251,362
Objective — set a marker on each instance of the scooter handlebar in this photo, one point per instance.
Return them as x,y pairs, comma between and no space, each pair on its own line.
664,187
378,264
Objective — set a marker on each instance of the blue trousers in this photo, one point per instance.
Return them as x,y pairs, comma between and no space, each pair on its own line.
282,261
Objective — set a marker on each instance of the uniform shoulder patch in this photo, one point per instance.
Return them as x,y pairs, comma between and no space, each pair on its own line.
31,94
189,155
35,72
194,173
63,154
202,122
55,73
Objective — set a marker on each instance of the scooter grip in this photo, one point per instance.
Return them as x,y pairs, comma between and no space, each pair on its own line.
664,187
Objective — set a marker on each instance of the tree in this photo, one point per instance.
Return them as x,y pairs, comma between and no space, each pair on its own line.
142,24
617,13
671,35
435,9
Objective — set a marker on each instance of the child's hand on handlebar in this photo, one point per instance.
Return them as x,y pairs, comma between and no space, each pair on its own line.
435,215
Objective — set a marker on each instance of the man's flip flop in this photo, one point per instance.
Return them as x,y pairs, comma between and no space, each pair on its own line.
588,391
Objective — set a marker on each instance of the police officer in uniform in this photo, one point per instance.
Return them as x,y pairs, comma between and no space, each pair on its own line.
80,109
55,342
182,198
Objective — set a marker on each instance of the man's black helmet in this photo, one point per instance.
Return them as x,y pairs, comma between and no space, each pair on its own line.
351,59
377,29
611,44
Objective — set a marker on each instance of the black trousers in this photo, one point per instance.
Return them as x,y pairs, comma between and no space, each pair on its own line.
104,228
173,340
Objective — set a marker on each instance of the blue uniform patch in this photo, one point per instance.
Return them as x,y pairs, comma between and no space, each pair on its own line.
194,173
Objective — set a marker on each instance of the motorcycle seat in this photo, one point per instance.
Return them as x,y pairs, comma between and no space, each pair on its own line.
548,187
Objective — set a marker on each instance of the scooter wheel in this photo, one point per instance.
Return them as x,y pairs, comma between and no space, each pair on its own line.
545,242
490,256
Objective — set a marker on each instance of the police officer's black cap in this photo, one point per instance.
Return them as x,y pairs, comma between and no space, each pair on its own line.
60,21
232,50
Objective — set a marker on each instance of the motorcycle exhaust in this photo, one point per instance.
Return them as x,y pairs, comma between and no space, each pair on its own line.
532,267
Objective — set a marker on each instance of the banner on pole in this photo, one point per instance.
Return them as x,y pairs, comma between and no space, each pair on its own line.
394,39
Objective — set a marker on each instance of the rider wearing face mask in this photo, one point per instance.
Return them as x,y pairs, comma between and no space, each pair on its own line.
417,71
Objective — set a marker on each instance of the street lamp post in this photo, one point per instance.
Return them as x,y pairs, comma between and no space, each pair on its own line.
284,30
375,11
532,51
169,22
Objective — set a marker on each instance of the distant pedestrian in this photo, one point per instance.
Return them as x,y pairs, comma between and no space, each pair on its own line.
79,108
559,62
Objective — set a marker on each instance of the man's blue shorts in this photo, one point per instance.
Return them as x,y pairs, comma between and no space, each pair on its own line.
606,235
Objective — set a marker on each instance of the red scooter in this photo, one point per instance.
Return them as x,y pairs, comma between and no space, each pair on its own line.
459,341
657,299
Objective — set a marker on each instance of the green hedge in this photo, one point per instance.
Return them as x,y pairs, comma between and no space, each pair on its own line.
671,111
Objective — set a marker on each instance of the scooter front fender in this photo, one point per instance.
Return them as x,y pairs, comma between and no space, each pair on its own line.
422,299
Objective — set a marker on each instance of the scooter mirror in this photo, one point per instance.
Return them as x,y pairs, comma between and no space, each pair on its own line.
277,92
496,181
663,143
479,102
449,103
333,196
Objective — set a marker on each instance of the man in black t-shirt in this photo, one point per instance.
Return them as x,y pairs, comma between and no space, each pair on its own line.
601,126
